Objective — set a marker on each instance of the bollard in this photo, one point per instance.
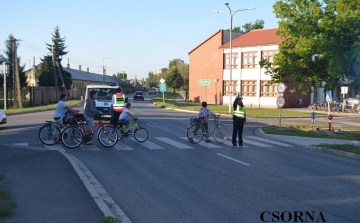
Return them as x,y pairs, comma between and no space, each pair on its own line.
330,117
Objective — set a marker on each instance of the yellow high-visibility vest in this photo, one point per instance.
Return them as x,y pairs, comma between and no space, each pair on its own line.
240,111
119,102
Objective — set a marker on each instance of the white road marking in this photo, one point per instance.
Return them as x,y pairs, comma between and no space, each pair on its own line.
89,148
122,146
57,147
21,144
229,143
270,141
150,125
174,143
206,144
235,160
148,144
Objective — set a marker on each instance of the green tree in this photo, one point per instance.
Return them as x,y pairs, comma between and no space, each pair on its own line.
174,79
46,73
328,28
9,59
183,69
121,76
258,24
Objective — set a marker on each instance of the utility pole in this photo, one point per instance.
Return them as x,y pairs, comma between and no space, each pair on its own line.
16,76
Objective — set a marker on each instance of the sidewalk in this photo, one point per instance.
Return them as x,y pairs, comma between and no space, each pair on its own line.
45,187
311,143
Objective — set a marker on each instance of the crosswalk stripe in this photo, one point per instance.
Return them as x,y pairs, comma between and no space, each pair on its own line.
270,141
229,143
255,143
202,143
174,143
148,144
122,146
21,144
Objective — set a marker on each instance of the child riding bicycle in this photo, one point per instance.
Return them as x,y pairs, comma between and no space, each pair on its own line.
124,115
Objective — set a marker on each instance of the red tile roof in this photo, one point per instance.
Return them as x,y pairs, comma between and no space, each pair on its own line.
255,38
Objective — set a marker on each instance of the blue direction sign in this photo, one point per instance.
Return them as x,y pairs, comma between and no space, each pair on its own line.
328,96
163,87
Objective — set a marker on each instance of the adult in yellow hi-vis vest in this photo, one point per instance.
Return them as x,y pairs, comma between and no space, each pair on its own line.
117,106
239,120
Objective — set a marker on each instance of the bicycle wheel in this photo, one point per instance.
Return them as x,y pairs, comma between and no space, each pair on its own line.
72,136
141,134
195,133
107,136
49,136
220,133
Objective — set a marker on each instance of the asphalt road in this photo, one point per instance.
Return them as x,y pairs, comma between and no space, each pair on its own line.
167,179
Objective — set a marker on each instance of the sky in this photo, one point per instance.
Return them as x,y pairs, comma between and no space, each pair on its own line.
132,36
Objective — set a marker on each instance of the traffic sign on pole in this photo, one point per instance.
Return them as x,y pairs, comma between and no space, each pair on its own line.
204,82
280,101
281,88
328,96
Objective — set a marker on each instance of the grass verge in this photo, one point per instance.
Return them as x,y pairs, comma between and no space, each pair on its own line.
42,107
170,102
6,203
346,147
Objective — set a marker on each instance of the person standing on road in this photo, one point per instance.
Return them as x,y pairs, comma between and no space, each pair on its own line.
61,108
117,106
90,112
239,120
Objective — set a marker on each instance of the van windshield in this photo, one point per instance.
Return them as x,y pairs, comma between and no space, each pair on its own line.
103,93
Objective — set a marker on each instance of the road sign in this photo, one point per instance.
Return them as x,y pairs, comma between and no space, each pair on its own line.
344,90
162,87
280,101
313,115
328,96
162,80
281,88
204,82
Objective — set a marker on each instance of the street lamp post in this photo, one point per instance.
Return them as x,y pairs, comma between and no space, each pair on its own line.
104,70
5,73
231,18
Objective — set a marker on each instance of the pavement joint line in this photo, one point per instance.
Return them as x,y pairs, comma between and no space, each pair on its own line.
330,151
100,196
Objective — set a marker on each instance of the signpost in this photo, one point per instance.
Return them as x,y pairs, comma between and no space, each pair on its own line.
163,88
204,82
344,91
280,101
313,117
328,100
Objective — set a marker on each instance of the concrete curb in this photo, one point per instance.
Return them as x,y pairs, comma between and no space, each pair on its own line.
330,151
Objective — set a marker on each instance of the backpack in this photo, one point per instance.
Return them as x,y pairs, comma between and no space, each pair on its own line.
69,117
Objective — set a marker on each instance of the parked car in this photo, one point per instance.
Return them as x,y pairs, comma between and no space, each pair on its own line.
158,90
3,119
354,101
152,91
139,95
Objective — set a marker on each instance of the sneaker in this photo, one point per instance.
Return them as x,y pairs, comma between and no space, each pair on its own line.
234,144
240,144
89,144
191,139
207,140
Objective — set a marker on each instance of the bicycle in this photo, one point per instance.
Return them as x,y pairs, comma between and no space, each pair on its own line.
49,134
73,136
140,133
219,132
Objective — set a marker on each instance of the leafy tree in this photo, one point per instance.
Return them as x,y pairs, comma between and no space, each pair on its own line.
121,76
9,59
258,24
174,79
308,27
183,69
46,72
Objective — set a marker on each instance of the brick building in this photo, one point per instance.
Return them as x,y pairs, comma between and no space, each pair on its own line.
210,60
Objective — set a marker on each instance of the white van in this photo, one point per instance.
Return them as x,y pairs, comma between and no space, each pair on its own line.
103,100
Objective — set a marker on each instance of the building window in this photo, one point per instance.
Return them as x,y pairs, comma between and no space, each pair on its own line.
269,55
249,60
227,88
268,90
248,88
235,60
